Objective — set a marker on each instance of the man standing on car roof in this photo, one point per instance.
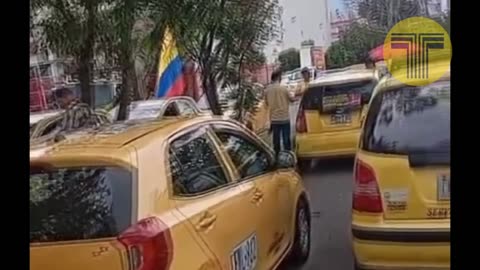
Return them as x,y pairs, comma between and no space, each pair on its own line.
277,100
77,114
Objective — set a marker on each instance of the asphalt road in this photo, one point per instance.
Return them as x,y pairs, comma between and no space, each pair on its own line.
329,184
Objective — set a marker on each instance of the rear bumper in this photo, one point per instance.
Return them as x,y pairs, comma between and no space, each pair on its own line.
406,236
401,248
329,144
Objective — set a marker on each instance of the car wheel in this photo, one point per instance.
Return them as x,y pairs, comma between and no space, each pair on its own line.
301,245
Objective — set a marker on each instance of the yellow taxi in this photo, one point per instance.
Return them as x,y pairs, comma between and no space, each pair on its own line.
177,193
38,120
401,196
329,116
180,106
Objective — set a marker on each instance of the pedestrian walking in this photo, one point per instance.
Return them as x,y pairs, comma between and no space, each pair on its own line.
77,114
277,100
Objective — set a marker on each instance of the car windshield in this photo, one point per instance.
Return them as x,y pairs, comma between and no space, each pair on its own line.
79,203
410,120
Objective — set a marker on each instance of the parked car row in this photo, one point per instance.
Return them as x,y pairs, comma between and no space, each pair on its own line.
174,182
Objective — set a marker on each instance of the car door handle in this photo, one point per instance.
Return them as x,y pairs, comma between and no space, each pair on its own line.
206,222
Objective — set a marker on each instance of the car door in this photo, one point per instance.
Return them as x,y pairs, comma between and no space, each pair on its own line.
216,207
254,163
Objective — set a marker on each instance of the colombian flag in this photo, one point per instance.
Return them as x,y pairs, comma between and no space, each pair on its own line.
170,78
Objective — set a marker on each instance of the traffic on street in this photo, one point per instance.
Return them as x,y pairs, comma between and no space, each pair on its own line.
233,135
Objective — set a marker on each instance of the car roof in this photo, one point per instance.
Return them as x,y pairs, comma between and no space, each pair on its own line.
36,117
394,80
112,139
343,76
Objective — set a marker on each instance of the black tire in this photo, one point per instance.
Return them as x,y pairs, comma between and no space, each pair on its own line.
302,241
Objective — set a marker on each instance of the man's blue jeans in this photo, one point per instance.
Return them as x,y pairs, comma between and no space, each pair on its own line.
281,130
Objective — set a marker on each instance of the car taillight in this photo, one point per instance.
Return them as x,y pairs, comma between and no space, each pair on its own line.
149,245
301,124
366,194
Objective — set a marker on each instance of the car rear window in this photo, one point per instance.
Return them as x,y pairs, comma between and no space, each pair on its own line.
79,203
327,99
409,120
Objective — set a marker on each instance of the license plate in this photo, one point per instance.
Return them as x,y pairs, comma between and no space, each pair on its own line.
443,187
244,257
343,118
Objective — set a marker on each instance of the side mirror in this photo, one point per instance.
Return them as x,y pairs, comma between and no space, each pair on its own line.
286,160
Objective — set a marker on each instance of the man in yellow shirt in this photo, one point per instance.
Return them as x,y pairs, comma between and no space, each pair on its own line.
278,100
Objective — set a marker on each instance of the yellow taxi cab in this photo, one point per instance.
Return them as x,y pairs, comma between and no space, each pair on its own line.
179,193
137,110
401,196
329,116
38,119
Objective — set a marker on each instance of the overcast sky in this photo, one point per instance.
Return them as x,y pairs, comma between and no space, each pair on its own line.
305,19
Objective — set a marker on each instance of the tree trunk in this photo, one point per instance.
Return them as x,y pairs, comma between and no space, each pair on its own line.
125,94
128,82
210,86
85,89
129,85
86,57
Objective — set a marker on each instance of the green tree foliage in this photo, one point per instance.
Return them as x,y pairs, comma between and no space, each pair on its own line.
376,18
71,28
289,59
353,46
225,37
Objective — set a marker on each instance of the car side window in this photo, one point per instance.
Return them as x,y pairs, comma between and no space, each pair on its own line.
171,110
250,159
195,165
185,108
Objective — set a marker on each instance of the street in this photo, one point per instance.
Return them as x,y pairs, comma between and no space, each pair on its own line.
329,183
